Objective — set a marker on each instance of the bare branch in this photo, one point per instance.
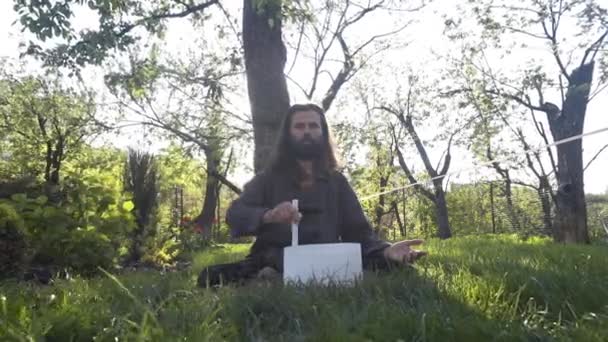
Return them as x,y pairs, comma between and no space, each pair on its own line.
526,185
295,58
448,158
555,50
407,171
593,48
541,130
595,156
189,10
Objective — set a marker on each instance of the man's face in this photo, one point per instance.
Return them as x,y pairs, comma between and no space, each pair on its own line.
306,134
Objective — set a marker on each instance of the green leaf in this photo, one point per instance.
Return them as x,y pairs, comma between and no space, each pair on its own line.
128,205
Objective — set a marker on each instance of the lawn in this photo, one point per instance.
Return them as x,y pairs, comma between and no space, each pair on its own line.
484,288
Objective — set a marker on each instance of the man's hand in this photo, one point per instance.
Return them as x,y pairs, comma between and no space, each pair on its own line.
402,253
284,212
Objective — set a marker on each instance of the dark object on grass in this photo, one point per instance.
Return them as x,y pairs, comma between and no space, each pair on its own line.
39,274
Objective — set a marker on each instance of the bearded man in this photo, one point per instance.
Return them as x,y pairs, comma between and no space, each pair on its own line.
303,167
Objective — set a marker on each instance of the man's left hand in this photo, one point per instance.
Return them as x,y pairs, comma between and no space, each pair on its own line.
402,252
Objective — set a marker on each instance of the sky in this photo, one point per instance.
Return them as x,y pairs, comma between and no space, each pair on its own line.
424,39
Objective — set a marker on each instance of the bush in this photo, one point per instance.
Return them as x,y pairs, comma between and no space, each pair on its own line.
12,241
87,230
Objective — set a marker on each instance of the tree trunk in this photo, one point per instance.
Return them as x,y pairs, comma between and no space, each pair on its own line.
571,218
57,157
508,190
265,57
399,221
404,228
383,182
571,215
441,209
492,213
205,218
544,193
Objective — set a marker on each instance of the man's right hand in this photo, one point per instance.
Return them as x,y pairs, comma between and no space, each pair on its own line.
284,212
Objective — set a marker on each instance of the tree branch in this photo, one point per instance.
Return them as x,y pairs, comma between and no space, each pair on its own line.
595,156
593,48
407,171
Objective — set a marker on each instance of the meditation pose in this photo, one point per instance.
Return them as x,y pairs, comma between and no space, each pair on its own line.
303,167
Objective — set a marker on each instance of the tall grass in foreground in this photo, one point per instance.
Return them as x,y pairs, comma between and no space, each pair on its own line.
469,289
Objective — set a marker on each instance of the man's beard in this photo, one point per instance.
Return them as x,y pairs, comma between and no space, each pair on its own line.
306,148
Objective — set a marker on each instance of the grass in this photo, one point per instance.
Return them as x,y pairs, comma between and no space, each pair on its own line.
490,288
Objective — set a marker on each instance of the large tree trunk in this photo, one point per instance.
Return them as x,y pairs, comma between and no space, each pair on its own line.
571,218
571,215
441,209
265,57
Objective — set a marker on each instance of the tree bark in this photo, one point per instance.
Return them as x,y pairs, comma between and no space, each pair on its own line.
441,210
508,191
545,201
571,216
401,223
265,57
205,218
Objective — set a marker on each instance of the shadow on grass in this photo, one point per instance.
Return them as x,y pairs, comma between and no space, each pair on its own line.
401,305
554,288
466,290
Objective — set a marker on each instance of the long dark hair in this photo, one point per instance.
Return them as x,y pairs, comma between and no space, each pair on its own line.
283,157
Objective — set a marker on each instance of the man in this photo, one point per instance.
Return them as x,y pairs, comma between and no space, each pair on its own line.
303,167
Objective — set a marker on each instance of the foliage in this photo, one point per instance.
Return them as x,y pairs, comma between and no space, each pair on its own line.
471,210
12,241
117,21
87,231
141,180
497,288
41,124
597,207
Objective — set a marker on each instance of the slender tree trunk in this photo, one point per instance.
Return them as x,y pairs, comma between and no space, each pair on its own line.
544,195
492,213
381,202
399,221
57,157
441,209
571,215
508,190
218,213
265,57
205,218
404,228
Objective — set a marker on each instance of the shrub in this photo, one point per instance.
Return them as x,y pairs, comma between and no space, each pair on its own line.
88,229
12,241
